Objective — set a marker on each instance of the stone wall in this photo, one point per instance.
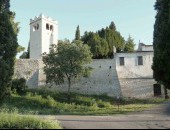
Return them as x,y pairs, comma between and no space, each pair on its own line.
28,69
138,88
103,80
106,78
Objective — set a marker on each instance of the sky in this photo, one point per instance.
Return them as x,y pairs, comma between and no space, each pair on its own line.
131,17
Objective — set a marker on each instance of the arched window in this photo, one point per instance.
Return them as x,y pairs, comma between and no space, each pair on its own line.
37,26
47,26
51,28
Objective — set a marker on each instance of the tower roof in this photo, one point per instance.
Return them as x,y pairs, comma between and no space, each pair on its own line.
42,16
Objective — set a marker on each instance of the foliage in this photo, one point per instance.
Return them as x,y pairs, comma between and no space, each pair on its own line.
26,55
66,62
20,49
99,46
77,35
112,26
19,85
15,121
130,45
8,47
103,41
46,102
161,43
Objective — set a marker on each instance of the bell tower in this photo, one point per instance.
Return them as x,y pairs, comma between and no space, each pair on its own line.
43,33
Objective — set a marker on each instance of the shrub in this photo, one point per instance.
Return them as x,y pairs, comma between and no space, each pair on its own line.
15,121
19,85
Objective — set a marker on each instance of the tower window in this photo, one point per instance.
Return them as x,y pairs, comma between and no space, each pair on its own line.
51,28
47,26
37,26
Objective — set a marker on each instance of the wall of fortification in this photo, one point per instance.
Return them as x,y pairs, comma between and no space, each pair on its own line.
106,78
103,79
28,69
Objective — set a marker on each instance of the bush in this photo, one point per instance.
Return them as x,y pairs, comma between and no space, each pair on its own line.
15,121
19,85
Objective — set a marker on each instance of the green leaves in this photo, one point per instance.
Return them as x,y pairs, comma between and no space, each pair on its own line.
66,61
8,47
102,42
130,45
77,35
161,43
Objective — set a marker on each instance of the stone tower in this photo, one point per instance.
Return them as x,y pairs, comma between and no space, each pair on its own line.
43,33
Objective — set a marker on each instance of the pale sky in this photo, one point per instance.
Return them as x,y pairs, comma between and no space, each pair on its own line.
134,17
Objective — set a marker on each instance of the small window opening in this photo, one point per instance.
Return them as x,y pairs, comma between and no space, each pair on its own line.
47,26
51,28
122,61
140,60
37,26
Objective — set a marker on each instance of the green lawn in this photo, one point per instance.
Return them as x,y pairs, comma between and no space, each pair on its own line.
46,102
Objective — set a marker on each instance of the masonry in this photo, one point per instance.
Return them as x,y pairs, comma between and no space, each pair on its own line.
107,77
103,79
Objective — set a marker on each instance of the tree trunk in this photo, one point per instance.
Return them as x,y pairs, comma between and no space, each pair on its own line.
166,92
69,88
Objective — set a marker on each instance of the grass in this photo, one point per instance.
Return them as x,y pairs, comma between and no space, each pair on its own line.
46,102
16,121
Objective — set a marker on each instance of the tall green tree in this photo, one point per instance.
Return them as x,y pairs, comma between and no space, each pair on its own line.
112,26
103,41
77,35
8,47
67,62
130,45
161,60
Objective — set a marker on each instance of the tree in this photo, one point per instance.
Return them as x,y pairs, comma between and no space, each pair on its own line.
20,49
161,62
8,47
77,35
26,55
112,26
66,62
130,45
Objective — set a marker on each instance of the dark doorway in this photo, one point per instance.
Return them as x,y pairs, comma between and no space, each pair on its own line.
157,90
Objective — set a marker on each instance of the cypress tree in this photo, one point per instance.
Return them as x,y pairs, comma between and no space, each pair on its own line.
161,61
112,26
77,35
8,47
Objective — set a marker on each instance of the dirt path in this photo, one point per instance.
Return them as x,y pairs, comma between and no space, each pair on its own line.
155,118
